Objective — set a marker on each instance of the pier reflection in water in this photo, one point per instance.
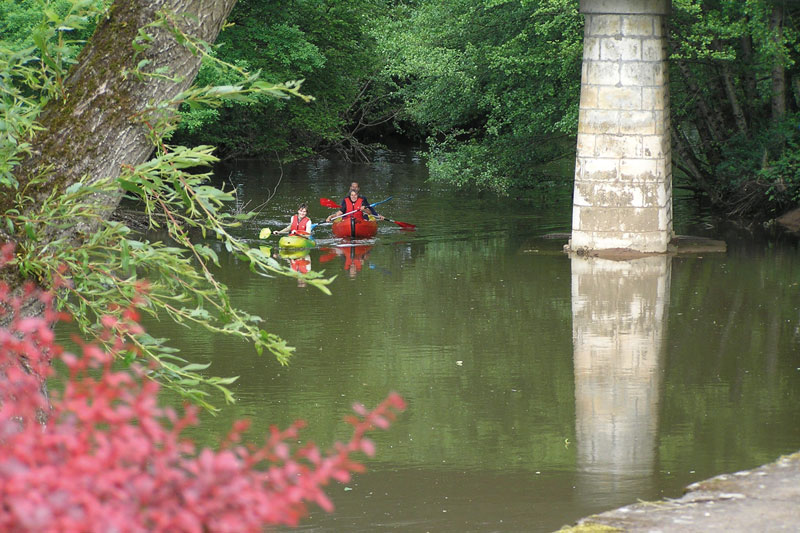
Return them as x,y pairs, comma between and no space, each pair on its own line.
618,327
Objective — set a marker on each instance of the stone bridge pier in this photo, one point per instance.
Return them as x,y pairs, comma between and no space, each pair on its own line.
623,171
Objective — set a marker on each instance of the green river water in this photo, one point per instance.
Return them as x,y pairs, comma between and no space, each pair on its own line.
540,388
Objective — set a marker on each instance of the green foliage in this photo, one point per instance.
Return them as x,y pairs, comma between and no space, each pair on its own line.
782,176
24,22
746,164
764,169
106,263
38,43
491,82
324,42
495,87
492,86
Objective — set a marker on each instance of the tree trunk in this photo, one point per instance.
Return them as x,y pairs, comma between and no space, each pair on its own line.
733,98
796,92
778,74
101,123
710,120
748,77
729,87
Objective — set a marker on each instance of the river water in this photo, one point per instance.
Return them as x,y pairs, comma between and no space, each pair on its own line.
540,388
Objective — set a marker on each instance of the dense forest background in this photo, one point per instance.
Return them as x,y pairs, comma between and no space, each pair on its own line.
490,89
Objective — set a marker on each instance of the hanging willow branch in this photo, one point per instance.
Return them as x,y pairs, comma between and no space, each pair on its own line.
72,149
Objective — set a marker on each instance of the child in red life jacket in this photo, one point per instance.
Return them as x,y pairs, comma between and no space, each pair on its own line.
302,265
300,223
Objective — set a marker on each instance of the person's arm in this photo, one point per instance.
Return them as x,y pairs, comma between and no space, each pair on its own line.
287,228
372,209
307,229
342,210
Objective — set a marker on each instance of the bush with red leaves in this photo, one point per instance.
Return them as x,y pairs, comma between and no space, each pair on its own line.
109,458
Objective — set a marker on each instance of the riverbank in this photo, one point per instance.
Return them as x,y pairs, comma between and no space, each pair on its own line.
763,499
790,220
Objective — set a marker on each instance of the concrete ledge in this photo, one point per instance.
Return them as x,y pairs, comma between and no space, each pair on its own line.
679,245
685,244
763,499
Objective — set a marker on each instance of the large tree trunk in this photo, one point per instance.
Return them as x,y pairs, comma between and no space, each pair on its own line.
100,124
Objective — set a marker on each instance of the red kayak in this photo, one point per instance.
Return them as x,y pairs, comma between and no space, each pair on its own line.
355,229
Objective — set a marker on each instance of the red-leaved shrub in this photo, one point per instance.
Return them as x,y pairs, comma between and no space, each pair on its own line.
109,458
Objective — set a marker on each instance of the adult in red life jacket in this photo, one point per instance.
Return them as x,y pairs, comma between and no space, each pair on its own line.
300,223
354,202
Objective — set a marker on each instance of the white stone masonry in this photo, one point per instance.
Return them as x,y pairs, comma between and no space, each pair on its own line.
623,170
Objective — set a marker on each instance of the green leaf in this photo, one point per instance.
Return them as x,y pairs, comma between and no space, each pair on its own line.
75,187
125,254
131,187
195,367
29,231
207,253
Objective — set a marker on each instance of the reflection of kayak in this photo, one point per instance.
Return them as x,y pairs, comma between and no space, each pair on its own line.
355,229
354,256
296,241
293,253
298,259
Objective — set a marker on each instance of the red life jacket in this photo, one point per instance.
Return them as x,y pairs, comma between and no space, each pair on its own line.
298,226
358,215
355,259
302,266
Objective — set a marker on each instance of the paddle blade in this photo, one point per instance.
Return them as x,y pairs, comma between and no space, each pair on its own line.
328,256
404,225
265,233
325,202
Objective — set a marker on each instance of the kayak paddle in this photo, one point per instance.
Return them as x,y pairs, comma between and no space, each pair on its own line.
333,205
266,232
320,224
404,225
349,212
325,202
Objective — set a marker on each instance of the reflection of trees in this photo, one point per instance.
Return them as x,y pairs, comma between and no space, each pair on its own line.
734,363
618,324
504,315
